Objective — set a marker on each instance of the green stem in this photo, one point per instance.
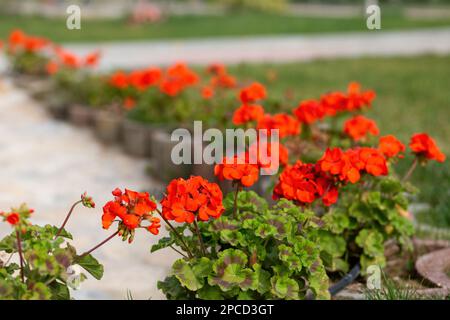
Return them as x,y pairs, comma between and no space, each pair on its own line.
186,248
235,200
100,244
67,218
411,170
200,240
178,251
19,248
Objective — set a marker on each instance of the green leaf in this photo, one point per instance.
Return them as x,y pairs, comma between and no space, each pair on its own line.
59,291
263,279
265,230
189,277
284,287
230,271
173,289
390,185
318,283
91,265
210,293
162,243
334,245
287,255
371,241
54,230
232,237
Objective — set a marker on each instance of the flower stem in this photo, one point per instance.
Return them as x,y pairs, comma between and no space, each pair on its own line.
100,244
178,251
411,170
186,248
67,218
200,240
238,187
19,248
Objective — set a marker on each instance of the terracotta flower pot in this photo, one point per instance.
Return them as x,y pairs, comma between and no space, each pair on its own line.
108,126
81,116
137,138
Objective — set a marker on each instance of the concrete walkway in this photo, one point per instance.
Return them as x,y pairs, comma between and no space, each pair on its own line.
270,49
48,164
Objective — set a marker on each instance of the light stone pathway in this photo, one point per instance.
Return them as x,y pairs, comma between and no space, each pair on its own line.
274,49
48,164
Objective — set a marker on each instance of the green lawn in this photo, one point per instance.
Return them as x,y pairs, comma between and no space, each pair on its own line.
204,26
413,96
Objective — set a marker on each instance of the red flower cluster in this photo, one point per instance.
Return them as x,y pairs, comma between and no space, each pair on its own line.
16,217
138,79
303,183
391,147
349,165
18,40
132,208
248,113
207,92
220,77
286,124
425,146
64,58
238,169
13,218
177,78
310,111
359,127
194,198
254,92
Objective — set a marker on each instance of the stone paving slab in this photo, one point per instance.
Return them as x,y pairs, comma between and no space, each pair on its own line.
48,164
274,49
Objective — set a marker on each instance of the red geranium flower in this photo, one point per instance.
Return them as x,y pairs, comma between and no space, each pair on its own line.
359,127
303,184
131,207
348,166
286,124
254,92
207,92
341,164
238,170
356,99
194,198
390,146
247,113
119,80
425,146
309,111
91,59
223,81
177,78
13,218
374,161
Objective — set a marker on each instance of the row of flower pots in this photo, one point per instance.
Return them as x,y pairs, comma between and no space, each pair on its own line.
137,139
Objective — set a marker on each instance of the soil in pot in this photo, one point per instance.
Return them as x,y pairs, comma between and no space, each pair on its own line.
108,126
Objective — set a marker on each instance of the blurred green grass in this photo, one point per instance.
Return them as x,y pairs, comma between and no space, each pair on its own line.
412,96
189,26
